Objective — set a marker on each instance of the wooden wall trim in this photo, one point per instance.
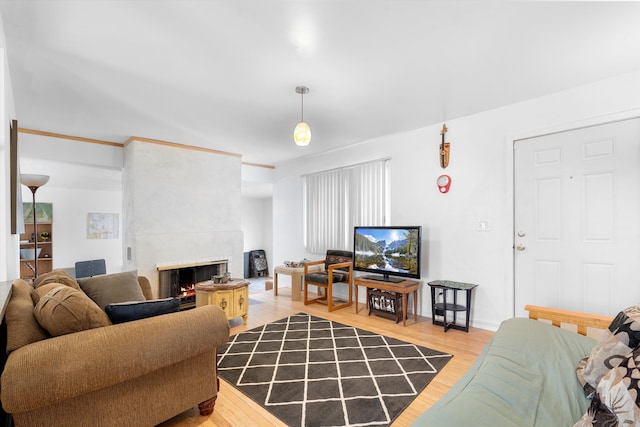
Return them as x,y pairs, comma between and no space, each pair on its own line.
137,138
175,144
258,165
73,138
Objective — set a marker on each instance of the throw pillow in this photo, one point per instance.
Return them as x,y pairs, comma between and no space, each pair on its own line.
128,311
56,276
622,337
108,289
65,310
616,401
42,290
22,326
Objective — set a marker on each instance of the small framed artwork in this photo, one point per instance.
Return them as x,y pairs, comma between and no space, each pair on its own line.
103,225
17,221
44,213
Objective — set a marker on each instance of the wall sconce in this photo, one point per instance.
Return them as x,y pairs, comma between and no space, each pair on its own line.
444,148
302,131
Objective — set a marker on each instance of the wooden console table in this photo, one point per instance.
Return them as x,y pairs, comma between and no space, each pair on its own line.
405,287
232,297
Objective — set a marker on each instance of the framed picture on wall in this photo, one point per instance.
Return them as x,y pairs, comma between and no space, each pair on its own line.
44,213
103,225
17,220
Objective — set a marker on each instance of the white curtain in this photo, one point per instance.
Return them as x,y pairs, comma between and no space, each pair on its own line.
337,200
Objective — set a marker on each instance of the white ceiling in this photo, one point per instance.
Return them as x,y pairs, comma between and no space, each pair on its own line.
222,74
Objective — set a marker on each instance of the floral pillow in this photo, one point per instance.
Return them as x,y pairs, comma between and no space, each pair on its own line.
616,401
622,337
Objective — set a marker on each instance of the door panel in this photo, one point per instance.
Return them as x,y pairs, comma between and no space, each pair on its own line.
547,280
598,207
577,216
548,205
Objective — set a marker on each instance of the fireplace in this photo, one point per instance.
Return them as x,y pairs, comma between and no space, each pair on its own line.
179,279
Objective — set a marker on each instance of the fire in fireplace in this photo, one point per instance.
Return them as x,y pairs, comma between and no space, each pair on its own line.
178,280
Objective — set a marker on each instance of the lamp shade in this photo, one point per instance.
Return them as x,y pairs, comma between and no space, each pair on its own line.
31,180
302,134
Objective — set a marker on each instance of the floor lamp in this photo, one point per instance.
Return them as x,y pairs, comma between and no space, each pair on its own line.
34,182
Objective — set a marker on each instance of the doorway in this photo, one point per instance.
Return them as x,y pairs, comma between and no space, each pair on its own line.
577,219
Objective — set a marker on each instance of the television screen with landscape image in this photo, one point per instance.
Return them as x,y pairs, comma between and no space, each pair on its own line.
388,252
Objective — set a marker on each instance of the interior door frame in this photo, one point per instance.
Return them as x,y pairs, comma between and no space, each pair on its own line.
511,177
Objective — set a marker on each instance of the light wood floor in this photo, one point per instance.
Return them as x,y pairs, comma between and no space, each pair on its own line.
234,409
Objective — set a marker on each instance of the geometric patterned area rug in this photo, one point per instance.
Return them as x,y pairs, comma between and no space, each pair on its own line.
310,371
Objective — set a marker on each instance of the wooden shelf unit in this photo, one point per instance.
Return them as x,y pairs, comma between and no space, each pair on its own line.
45,260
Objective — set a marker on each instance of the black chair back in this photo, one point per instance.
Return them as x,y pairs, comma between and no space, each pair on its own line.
90,268
335,256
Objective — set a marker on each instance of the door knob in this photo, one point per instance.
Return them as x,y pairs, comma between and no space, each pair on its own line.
520,247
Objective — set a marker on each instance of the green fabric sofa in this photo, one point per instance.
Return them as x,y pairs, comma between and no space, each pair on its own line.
525,376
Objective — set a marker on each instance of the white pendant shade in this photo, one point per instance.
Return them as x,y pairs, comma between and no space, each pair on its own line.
31,180
302,131
302,134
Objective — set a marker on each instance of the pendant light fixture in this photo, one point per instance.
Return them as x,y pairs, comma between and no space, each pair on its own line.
302,131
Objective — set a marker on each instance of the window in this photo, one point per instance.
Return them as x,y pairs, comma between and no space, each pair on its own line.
336,200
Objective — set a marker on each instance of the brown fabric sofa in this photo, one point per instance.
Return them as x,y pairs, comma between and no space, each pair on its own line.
137,373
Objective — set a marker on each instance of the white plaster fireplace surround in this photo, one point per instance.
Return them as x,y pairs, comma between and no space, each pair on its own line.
180,203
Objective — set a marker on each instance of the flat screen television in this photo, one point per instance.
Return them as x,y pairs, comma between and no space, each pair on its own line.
388,253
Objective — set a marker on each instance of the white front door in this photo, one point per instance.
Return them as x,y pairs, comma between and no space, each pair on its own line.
577,219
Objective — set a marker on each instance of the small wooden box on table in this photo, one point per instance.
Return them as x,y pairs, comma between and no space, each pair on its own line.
232,297
440,309
374,287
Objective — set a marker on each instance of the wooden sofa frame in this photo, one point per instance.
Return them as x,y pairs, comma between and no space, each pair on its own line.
558,317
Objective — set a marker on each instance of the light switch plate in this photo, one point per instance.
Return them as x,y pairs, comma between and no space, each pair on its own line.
483,225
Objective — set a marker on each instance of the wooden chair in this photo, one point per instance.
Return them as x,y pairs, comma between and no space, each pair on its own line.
338,270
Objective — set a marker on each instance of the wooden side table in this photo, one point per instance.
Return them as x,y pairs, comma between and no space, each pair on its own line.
405,287
440,309
232,297
296,278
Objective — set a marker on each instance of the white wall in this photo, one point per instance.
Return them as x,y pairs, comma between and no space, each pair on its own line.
84,178
181,206
69,233
481,169
257,224
10,267
87,177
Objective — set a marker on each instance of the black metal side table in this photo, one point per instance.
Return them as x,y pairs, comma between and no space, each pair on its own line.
440,309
